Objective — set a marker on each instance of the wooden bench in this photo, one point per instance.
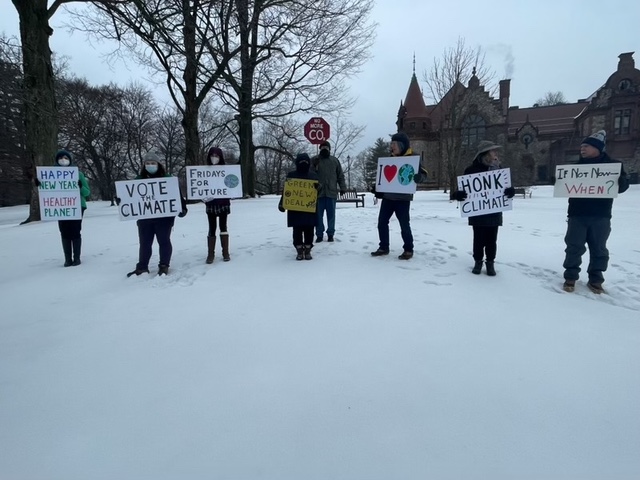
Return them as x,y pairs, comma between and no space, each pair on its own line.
524,191
351,196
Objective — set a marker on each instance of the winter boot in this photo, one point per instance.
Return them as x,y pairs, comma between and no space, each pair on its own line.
77,247
477,267
379,252
595,288
491,271
300,252
307,252
569,285
211,246
406,255
163,269
138,271
66,248
224,241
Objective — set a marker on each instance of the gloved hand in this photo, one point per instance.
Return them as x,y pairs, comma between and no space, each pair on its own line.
281,208
372,189
79,183
460,195
37,182
183,213
510,192
118,200
342,192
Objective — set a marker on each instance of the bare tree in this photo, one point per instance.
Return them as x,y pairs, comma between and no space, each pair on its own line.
551,98
453,101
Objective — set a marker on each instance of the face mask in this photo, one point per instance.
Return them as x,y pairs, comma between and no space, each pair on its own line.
303,167
324,153
214,159
151,169
64,162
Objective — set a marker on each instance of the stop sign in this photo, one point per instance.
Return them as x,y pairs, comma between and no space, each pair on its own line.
317,130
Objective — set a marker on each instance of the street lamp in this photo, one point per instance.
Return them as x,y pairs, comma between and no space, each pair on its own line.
349,171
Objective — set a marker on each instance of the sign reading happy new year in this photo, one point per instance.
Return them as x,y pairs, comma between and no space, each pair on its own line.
596,180
207,182
149,198
300,195
395,174
485,192
59,193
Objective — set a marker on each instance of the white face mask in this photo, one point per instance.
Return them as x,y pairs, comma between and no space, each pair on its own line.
215,160
64,162
151,169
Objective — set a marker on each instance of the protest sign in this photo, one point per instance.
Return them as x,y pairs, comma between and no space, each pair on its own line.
300,195
59,193
395,174
148,198
485,192
595,180
206,182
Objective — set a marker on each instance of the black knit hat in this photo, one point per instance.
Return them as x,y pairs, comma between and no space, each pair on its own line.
302,157
326,145
402,139
597,140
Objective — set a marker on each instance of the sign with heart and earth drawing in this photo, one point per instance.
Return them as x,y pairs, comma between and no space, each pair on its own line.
395,174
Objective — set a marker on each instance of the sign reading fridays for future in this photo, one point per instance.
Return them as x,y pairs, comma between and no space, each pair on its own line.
395,174
595,180
300,195
485,192
149,198
214,181
59,193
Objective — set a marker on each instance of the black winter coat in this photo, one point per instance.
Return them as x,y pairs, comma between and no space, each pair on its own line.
301,219
490,219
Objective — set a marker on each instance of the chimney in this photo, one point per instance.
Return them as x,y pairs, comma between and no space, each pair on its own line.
626,61
505,92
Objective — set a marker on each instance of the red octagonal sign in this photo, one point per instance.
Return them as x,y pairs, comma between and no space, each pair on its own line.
317,130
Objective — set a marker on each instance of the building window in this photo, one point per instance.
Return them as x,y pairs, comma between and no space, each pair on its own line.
622,121
472,130
412,125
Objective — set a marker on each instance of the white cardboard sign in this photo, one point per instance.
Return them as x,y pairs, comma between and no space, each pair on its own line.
59,194
395,174
149,198
595,180
485,192
206,182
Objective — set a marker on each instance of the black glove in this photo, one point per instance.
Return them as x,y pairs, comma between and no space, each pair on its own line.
372,189
510,192
460,195
37,182
183,213
281,208
342,192
79,183
118,200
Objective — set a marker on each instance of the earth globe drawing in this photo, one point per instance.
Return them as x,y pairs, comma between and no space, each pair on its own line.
231,181
405,174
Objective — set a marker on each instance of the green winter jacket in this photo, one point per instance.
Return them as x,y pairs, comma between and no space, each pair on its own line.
330,176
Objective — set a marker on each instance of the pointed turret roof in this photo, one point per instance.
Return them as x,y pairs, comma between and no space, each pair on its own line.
414,102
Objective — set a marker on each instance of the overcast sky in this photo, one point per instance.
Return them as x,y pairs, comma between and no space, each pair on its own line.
570,46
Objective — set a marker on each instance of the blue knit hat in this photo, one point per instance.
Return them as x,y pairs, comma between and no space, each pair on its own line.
597,140
403,140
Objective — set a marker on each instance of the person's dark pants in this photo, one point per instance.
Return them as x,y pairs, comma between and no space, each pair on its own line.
594,231
160,228
329,205
485,243
70,229
222,220
303,236
401,209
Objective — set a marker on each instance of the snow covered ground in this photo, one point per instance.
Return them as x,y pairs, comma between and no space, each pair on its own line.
343,367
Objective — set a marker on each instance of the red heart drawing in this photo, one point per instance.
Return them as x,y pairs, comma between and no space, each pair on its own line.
390,172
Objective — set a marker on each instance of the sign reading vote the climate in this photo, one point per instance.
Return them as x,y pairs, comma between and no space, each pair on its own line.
395,174
213,181
300,195
59,193
596,180
485,192
149,198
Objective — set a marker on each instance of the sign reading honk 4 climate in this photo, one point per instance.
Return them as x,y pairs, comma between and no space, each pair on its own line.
300,195
395,174
595,180
485,192
59,193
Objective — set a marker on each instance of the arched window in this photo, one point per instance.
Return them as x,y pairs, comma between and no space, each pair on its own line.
472,130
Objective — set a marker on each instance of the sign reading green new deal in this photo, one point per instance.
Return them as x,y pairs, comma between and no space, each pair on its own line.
59,193
395,174
206,182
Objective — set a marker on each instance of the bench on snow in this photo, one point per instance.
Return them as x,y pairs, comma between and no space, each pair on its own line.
351,196
524,191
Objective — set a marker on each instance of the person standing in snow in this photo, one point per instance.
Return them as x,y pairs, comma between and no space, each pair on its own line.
217,209
398,203
589,221
303,223
330,179
485,227
159,228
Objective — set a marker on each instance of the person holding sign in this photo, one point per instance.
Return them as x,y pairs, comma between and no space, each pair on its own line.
589,221
398,203
70,229
300,201
217,211
485,227
157,227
